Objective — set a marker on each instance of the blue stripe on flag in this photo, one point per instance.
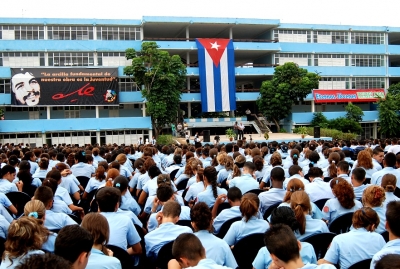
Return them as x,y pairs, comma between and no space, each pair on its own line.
202,73
231,72
217,88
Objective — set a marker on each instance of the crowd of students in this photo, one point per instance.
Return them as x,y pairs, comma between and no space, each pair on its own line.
87,201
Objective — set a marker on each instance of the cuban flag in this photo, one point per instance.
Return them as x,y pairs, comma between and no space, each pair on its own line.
217,74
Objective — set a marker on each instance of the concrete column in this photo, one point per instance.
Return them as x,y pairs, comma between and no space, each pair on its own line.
141,33
97,112
151,135
95,59
312,106
231,33
187,33
43,138
189,114
48,112
144,109
94,32
98,137
375,130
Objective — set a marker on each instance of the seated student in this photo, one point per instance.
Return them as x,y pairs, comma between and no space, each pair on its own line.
100,257
234,197
284,215
389,163
122,230
195,188
317,189
7,175
211,192
6,203
40,174
29,185
393,227
297,185
68,180
250,222
150,188
190,253
389,261
284,249
246,181
343,171
196,165
25,238
276,193
149,162
123,169
300,203
74,244
344,201
37,210
139,170
275,161
96,181
166,231
295,171
357,180
216,248
81,168
374,197
349,248
165,194
45,261
176,164
53,220
127,201
388,183
4,225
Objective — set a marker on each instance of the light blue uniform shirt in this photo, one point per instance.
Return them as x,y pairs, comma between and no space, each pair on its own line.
128,203
152,223
241,228
263,258
333,209
94,184
82,169
223,174
321,266
122,231
6,186
207,195
124,171
216,249
57,220
5,214
142,181
4,201
287,180
318,189
4,224
180,172
316,213
391,247
34,167
194,190
313,226
376,178
208,264
40,174
245,183
358,191
268,198
98,260
165,233
225,215
191,181
390,197
129,214
6,263
69,184
180,178
49,244
35,182
356,245
149,203
59,206
63,195
133,182
381,211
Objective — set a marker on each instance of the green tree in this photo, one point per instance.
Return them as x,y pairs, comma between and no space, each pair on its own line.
388,110
345,125
354,112
320,120
162,77
290,83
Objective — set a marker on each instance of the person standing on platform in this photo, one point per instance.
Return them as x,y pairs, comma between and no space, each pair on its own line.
236,129
240,129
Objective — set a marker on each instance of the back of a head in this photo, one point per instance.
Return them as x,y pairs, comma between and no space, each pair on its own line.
35,208
234,194
201,216
107,199
365,217
315,172
121,183
97,225
171,209
373,196
154,171
389,182
177,159
393,217
390,159
278,174
294,169
72,241
281,242
343,166
250,166
300,203
389,261
164,192
249,205
343,191
44,261
44,194
284,215
188,246
359,174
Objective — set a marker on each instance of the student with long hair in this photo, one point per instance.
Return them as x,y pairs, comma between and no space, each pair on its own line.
216,248
69,181
150,188
195,188
186,172
293,160
211,191
313,159
31,158
149,162
111,175
195,166
7,174
221,160
374,197
95,182
260,167
300,203
127,201
331,170
364,160
360,243
43,169
388,183
238,164
100,256
227,170
250,222
139,170
344,201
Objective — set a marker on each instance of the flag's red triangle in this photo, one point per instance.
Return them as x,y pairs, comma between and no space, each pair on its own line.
215,47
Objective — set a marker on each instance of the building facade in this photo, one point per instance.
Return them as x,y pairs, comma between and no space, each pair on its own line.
346,57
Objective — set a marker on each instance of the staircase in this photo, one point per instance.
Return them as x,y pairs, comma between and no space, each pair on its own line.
260,124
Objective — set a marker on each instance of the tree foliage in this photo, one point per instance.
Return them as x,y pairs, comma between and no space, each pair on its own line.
320,120
345,125
290,83
388,109
354,112
162,77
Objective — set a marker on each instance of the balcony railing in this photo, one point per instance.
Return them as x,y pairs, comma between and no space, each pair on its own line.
237,90
248,65
193,39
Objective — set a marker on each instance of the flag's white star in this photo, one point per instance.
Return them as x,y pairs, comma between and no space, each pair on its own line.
215,45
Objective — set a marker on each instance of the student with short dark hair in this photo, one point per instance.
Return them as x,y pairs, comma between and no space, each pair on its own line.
343,170
246,181
389,163
276,193
317,189
389,261
45,261
74,244
357,180
234,197
295,171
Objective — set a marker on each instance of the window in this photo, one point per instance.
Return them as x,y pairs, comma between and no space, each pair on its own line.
71,59
368,83
5,86
334,83
127,85
21,32
71,114
19,59
298,58
296,36
70,32
329,37
118,33
112,59
331,60
367,38
368,60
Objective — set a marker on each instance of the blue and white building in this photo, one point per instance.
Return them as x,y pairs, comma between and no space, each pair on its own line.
346,57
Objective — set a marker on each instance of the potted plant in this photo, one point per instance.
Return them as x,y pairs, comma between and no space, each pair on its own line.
230,134
303,131
266,135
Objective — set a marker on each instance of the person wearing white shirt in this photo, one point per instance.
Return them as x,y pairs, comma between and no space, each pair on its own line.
80,168
177,164
388,162
317,189
377,158
395,148
246,182
295,171
276,193
140,141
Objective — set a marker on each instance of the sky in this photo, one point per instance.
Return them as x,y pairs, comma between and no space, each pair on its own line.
345,12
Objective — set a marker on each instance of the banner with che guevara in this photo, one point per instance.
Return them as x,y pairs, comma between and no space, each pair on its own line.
64,86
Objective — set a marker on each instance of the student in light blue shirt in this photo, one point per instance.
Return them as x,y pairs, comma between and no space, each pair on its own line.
216,248
234,198
295,171
344,201
167,230
284,215
127,201
276,193
250,222
388,162
389,185
357,180
150,188
374,197
4,224
7,174
356,245
97,225
31,158
224,172
81,168
139,170
122,231
211,192
393,228
96,181
245,182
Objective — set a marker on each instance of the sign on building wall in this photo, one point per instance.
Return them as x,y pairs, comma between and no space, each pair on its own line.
64,86
334,96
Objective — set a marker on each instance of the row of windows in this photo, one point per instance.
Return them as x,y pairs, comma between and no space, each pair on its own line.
36,32
69,108
331,59
351,83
